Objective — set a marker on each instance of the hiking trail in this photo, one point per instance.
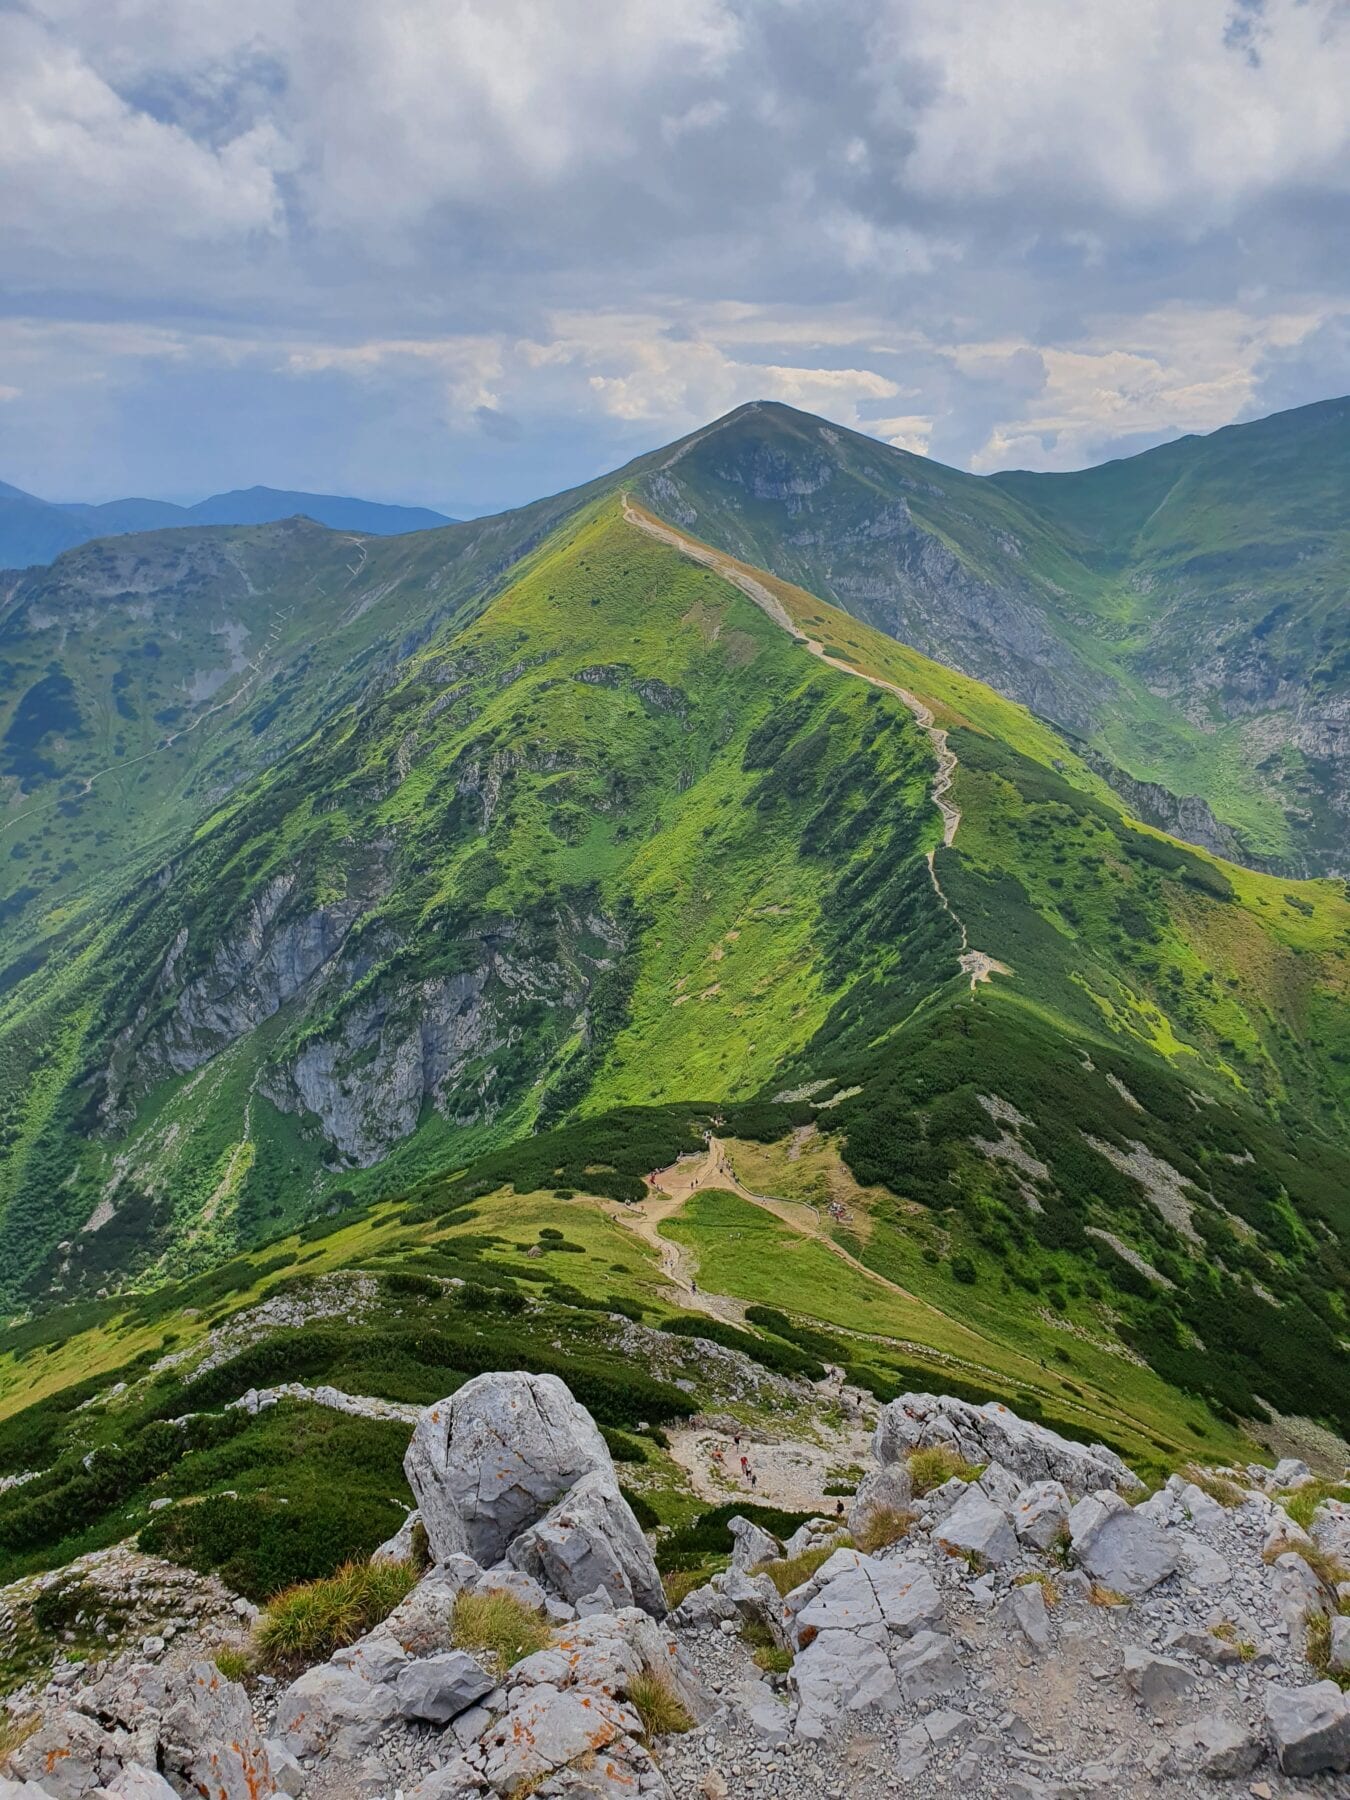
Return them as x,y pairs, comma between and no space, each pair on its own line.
978,964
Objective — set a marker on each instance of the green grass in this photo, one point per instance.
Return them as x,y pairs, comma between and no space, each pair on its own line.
305,1624
499,1626
657,1704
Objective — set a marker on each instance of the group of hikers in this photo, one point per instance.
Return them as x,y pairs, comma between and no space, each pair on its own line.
719,1458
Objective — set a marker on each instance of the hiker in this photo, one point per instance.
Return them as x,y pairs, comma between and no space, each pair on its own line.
745,1465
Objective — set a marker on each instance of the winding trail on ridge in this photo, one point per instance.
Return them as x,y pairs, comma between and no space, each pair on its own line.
978,964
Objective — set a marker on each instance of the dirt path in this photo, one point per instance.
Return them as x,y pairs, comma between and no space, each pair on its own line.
978,964
789,1472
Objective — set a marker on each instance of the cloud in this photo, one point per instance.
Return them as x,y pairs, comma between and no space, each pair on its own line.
503,243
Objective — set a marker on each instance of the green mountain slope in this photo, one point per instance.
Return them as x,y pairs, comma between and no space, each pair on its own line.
635,841
1178,612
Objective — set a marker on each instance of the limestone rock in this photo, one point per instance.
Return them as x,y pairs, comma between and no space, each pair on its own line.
1214,1745
494,1457
861,1592
886,1489
750,1544
1330,1529
1040,1514
1309,1727
1119,1548
842,1671
591,1540
1155,1680
1297,1588
1025,1609
402,1546
1339,1657
993,1433
69,1755
138,1783
978,1528
332,1711
927,1667
438,1688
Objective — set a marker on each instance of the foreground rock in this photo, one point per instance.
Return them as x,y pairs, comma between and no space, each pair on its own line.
494,1457
194,1725
591,1543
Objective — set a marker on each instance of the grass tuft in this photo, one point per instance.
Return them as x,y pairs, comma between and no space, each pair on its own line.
498,1625
788,1572
658,1705
1100,1595
306,1623
931,1467
14,1732
234,1662
1218,1487
883,1525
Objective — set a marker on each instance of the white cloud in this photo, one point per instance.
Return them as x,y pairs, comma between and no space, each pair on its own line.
1141,105
84,172
1177,370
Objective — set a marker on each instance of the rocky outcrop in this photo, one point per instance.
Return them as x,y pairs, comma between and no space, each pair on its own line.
590,1545
992,1433
494,1457
193,1724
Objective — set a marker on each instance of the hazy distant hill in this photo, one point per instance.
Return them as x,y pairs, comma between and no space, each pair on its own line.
34,531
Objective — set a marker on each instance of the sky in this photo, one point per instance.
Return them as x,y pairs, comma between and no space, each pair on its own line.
466,252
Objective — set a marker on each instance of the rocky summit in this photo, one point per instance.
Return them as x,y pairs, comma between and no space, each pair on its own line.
1003,1612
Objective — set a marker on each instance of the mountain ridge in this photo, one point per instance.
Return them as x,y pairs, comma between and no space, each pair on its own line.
34,532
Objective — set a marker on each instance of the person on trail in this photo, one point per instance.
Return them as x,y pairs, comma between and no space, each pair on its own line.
693,1286
745,1465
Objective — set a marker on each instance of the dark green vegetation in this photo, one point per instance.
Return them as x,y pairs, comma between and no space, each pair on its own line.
535,851
1182,612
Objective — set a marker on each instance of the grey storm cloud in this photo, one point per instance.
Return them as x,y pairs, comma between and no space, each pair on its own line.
467,250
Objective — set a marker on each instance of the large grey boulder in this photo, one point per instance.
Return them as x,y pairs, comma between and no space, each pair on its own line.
1339,1649
332,1711
839,1672
69,1755
1309,1728
494,1457
197,1725
993,1433
860,1592
591,1540
927,1667
437,1689
750,1544
1040,1514
889,1488
1214,1745
1120,1549
977,1528
545,1728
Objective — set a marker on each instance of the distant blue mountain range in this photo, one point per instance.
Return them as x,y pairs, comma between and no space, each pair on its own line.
37,531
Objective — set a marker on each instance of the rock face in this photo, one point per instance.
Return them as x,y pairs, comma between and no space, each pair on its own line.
494,1457
1119,1548
994,1434
591,1541
197,1726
